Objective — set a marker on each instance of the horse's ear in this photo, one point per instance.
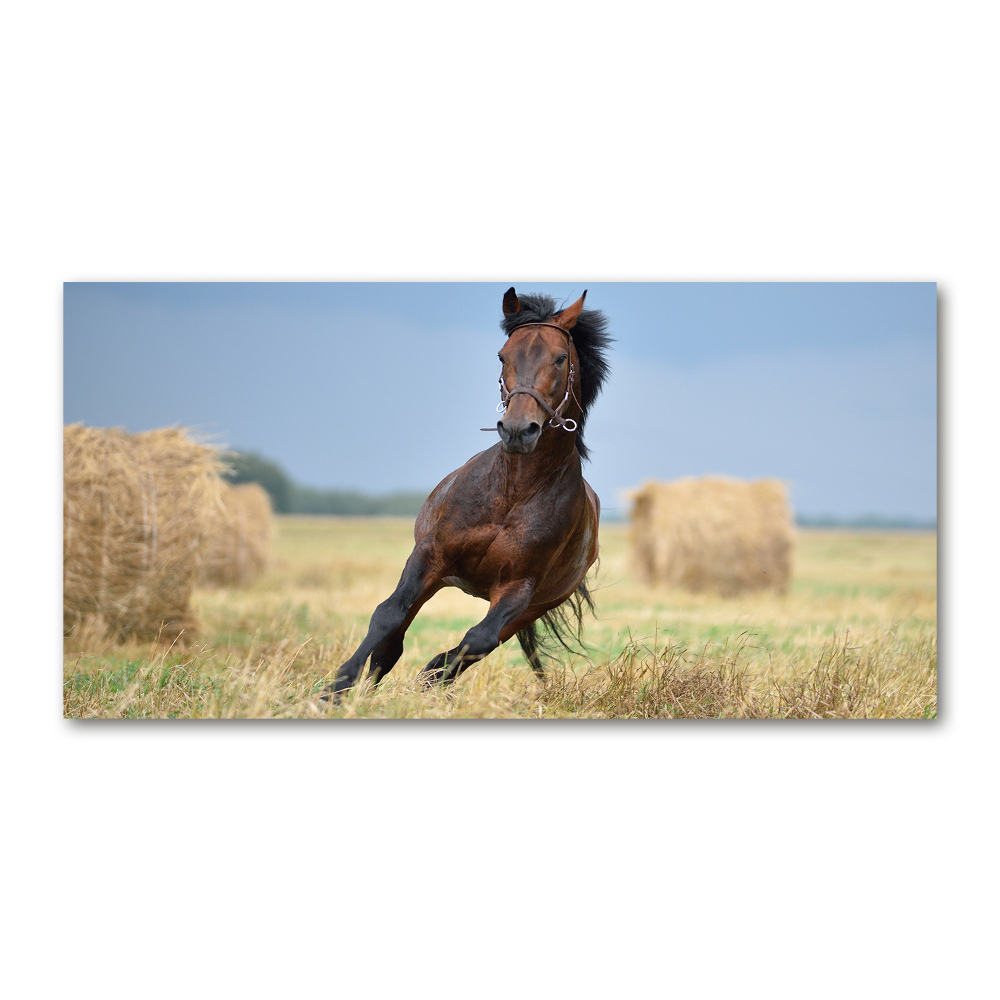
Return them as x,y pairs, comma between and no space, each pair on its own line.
568,317
511,303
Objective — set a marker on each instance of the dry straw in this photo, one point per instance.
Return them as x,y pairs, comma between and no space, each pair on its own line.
239,549
713,533
137,509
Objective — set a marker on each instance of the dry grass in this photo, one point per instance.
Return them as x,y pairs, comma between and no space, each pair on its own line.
239,548
854,637
846,681
137,509
713,533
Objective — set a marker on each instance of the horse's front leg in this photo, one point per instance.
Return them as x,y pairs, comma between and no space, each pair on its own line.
507,605
388,625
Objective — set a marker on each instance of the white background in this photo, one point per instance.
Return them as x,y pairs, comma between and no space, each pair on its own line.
771,141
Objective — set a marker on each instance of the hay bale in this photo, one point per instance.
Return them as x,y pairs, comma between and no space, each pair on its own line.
713,533
239,550
137,509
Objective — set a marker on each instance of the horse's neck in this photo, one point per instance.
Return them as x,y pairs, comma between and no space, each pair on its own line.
554,466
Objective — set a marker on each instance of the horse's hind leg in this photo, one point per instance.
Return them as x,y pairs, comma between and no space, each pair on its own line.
481,639
391,619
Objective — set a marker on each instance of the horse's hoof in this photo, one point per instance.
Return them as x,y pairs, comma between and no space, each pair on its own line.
329,696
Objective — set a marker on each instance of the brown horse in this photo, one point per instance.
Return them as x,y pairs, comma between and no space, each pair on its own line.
517,524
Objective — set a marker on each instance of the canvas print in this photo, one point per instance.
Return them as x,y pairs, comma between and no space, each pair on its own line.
493,500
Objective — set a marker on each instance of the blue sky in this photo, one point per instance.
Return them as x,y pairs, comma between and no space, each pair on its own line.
379,386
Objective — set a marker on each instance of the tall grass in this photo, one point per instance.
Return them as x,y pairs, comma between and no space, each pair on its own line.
850,677
855,638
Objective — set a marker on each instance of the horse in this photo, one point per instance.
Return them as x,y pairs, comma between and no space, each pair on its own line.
517,525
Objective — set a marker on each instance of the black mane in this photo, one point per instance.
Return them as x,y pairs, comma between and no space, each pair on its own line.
591,339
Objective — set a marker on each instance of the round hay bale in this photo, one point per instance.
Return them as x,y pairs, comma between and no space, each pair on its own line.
137,510
239,549
713,533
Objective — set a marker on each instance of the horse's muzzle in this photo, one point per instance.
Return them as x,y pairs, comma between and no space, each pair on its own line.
519,439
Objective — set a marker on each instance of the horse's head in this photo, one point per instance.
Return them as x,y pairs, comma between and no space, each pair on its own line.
540,366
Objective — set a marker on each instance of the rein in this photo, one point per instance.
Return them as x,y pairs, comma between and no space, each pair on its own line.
555,415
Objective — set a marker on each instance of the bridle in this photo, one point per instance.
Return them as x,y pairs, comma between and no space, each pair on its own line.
555,415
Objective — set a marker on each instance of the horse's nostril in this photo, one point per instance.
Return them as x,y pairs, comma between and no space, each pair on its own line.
531,432
504,433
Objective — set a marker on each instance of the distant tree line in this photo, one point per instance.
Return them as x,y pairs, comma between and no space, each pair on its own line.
865,521
248,467
287,497
306,500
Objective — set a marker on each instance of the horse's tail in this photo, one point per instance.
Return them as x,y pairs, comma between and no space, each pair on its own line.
562,626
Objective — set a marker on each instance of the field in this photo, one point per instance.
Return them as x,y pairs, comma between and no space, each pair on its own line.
854,637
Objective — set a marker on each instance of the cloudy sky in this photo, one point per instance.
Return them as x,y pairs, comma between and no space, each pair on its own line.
373,386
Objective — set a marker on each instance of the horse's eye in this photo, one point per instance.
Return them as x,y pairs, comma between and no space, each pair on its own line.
561,359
